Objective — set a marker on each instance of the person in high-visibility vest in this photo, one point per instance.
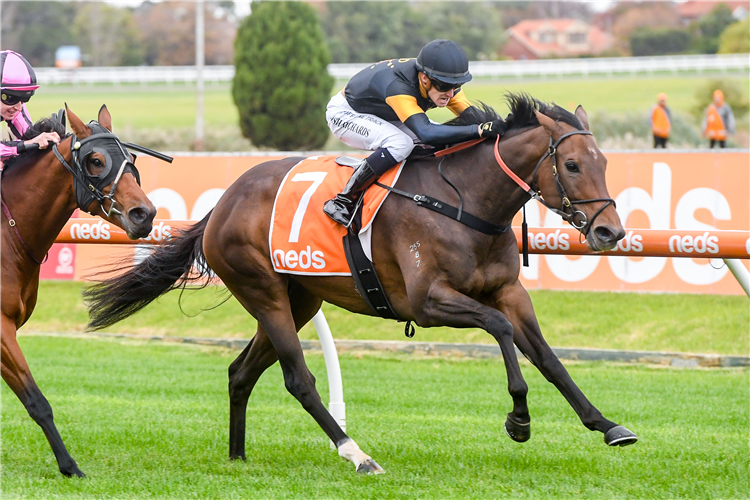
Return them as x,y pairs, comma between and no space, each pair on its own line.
719,120
661,121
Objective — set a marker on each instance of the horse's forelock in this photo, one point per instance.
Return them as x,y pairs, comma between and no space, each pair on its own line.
44,125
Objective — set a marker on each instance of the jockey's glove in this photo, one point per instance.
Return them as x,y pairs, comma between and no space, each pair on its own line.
493,129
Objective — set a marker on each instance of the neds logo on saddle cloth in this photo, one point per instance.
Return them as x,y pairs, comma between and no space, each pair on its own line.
303,240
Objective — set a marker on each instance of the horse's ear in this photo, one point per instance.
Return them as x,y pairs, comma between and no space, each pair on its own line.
552,127
105,119
76,125
582,117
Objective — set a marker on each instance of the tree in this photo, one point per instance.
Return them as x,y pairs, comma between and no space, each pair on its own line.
168,32
658,41
735,39
37,29
628,17
281,84
710,27
108,35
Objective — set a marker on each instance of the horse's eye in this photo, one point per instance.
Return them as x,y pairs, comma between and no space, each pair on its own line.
571,166
97,162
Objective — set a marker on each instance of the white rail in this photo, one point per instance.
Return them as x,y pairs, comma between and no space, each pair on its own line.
543,68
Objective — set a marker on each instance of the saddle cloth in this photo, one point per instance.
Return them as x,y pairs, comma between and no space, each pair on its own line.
302,239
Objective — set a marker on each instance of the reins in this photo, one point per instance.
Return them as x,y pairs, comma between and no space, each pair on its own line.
12,223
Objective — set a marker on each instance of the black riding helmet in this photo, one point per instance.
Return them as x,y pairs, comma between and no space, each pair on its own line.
444,61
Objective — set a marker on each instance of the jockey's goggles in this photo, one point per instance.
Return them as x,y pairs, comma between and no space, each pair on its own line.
444,87
13,97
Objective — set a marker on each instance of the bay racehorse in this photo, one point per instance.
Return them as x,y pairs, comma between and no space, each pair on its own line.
466,279
41,189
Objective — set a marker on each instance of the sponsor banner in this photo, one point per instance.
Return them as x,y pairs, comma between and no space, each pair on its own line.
688,191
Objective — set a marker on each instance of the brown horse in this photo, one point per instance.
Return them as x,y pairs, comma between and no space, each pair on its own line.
39,195
467,279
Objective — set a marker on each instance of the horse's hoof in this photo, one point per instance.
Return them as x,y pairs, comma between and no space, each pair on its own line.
72,471
517,431
619,436
370,466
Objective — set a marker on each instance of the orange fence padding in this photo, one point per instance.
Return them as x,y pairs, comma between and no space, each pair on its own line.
561,241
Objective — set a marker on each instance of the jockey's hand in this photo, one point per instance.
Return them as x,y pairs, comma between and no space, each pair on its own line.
492,129
43,139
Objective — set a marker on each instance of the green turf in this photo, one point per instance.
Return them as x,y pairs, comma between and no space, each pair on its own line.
685,323
157,107
151,421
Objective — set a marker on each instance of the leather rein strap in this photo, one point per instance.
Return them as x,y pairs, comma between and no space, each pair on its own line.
12,223
567,204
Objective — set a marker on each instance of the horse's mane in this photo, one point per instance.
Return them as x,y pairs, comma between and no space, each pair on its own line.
52,124
522,115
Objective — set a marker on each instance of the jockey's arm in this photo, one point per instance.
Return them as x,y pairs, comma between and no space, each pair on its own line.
9,149
427,132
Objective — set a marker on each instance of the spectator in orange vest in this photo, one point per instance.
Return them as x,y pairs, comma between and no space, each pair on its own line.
719,120
661,121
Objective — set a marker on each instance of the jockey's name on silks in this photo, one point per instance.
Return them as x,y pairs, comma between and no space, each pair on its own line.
302,239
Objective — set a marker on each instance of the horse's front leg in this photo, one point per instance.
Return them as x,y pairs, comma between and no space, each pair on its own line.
515,303
445,306
16,373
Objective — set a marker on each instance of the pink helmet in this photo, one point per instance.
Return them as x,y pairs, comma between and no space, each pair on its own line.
17,75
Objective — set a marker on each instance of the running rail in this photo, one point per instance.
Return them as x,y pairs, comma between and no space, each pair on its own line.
561,241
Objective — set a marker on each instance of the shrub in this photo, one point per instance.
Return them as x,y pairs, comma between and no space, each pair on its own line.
657,41
281,84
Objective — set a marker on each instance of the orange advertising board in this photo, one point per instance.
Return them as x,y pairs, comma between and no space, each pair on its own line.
686,191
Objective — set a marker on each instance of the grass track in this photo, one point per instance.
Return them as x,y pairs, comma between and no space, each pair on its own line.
684,323
150,421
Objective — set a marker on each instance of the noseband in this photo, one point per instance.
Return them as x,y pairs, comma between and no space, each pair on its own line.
566,210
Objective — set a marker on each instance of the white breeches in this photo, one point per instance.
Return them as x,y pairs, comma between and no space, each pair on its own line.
368,132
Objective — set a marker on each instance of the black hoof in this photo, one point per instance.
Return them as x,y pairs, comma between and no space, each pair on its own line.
517,431
72,471
370,467
619,436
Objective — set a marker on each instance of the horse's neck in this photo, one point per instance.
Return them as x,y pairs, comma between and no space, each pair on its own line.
498,196
41,199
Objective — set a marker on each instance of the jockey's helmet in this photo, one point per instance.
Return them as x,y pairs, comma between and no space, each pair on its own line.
17,77
444,61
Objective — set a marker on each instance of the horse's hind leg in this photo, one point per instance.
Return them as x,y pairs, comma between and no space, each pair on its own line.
16,373
258,356
516,305
279,329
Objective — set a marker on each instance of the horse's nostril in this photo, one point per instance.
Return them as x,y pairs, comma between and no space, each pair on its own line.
137,215
605,235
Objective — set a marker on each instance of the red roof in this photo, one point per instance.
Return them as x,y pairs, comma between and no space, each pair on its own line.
597,39
693,9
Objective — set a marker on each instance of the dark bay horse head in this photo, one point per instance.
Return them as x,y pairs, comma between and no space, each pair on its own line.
580,177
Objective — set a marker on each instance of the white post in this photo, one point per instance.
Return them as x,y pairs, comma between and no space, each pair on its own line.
336,406
739,271
199,60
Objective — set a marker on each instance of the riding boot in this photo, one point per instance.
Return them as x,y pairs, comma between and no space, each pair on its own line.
341,208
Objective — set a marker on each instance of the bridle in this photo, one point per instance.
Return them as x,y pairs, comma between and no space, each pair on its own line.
89,187
566,210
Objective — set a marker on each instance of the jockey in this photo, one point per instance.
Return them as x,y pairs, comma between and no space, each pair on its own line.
382,109
18,85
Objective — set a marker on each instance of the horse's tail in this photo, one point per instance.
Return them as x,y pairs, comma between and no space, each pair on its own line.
174,264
